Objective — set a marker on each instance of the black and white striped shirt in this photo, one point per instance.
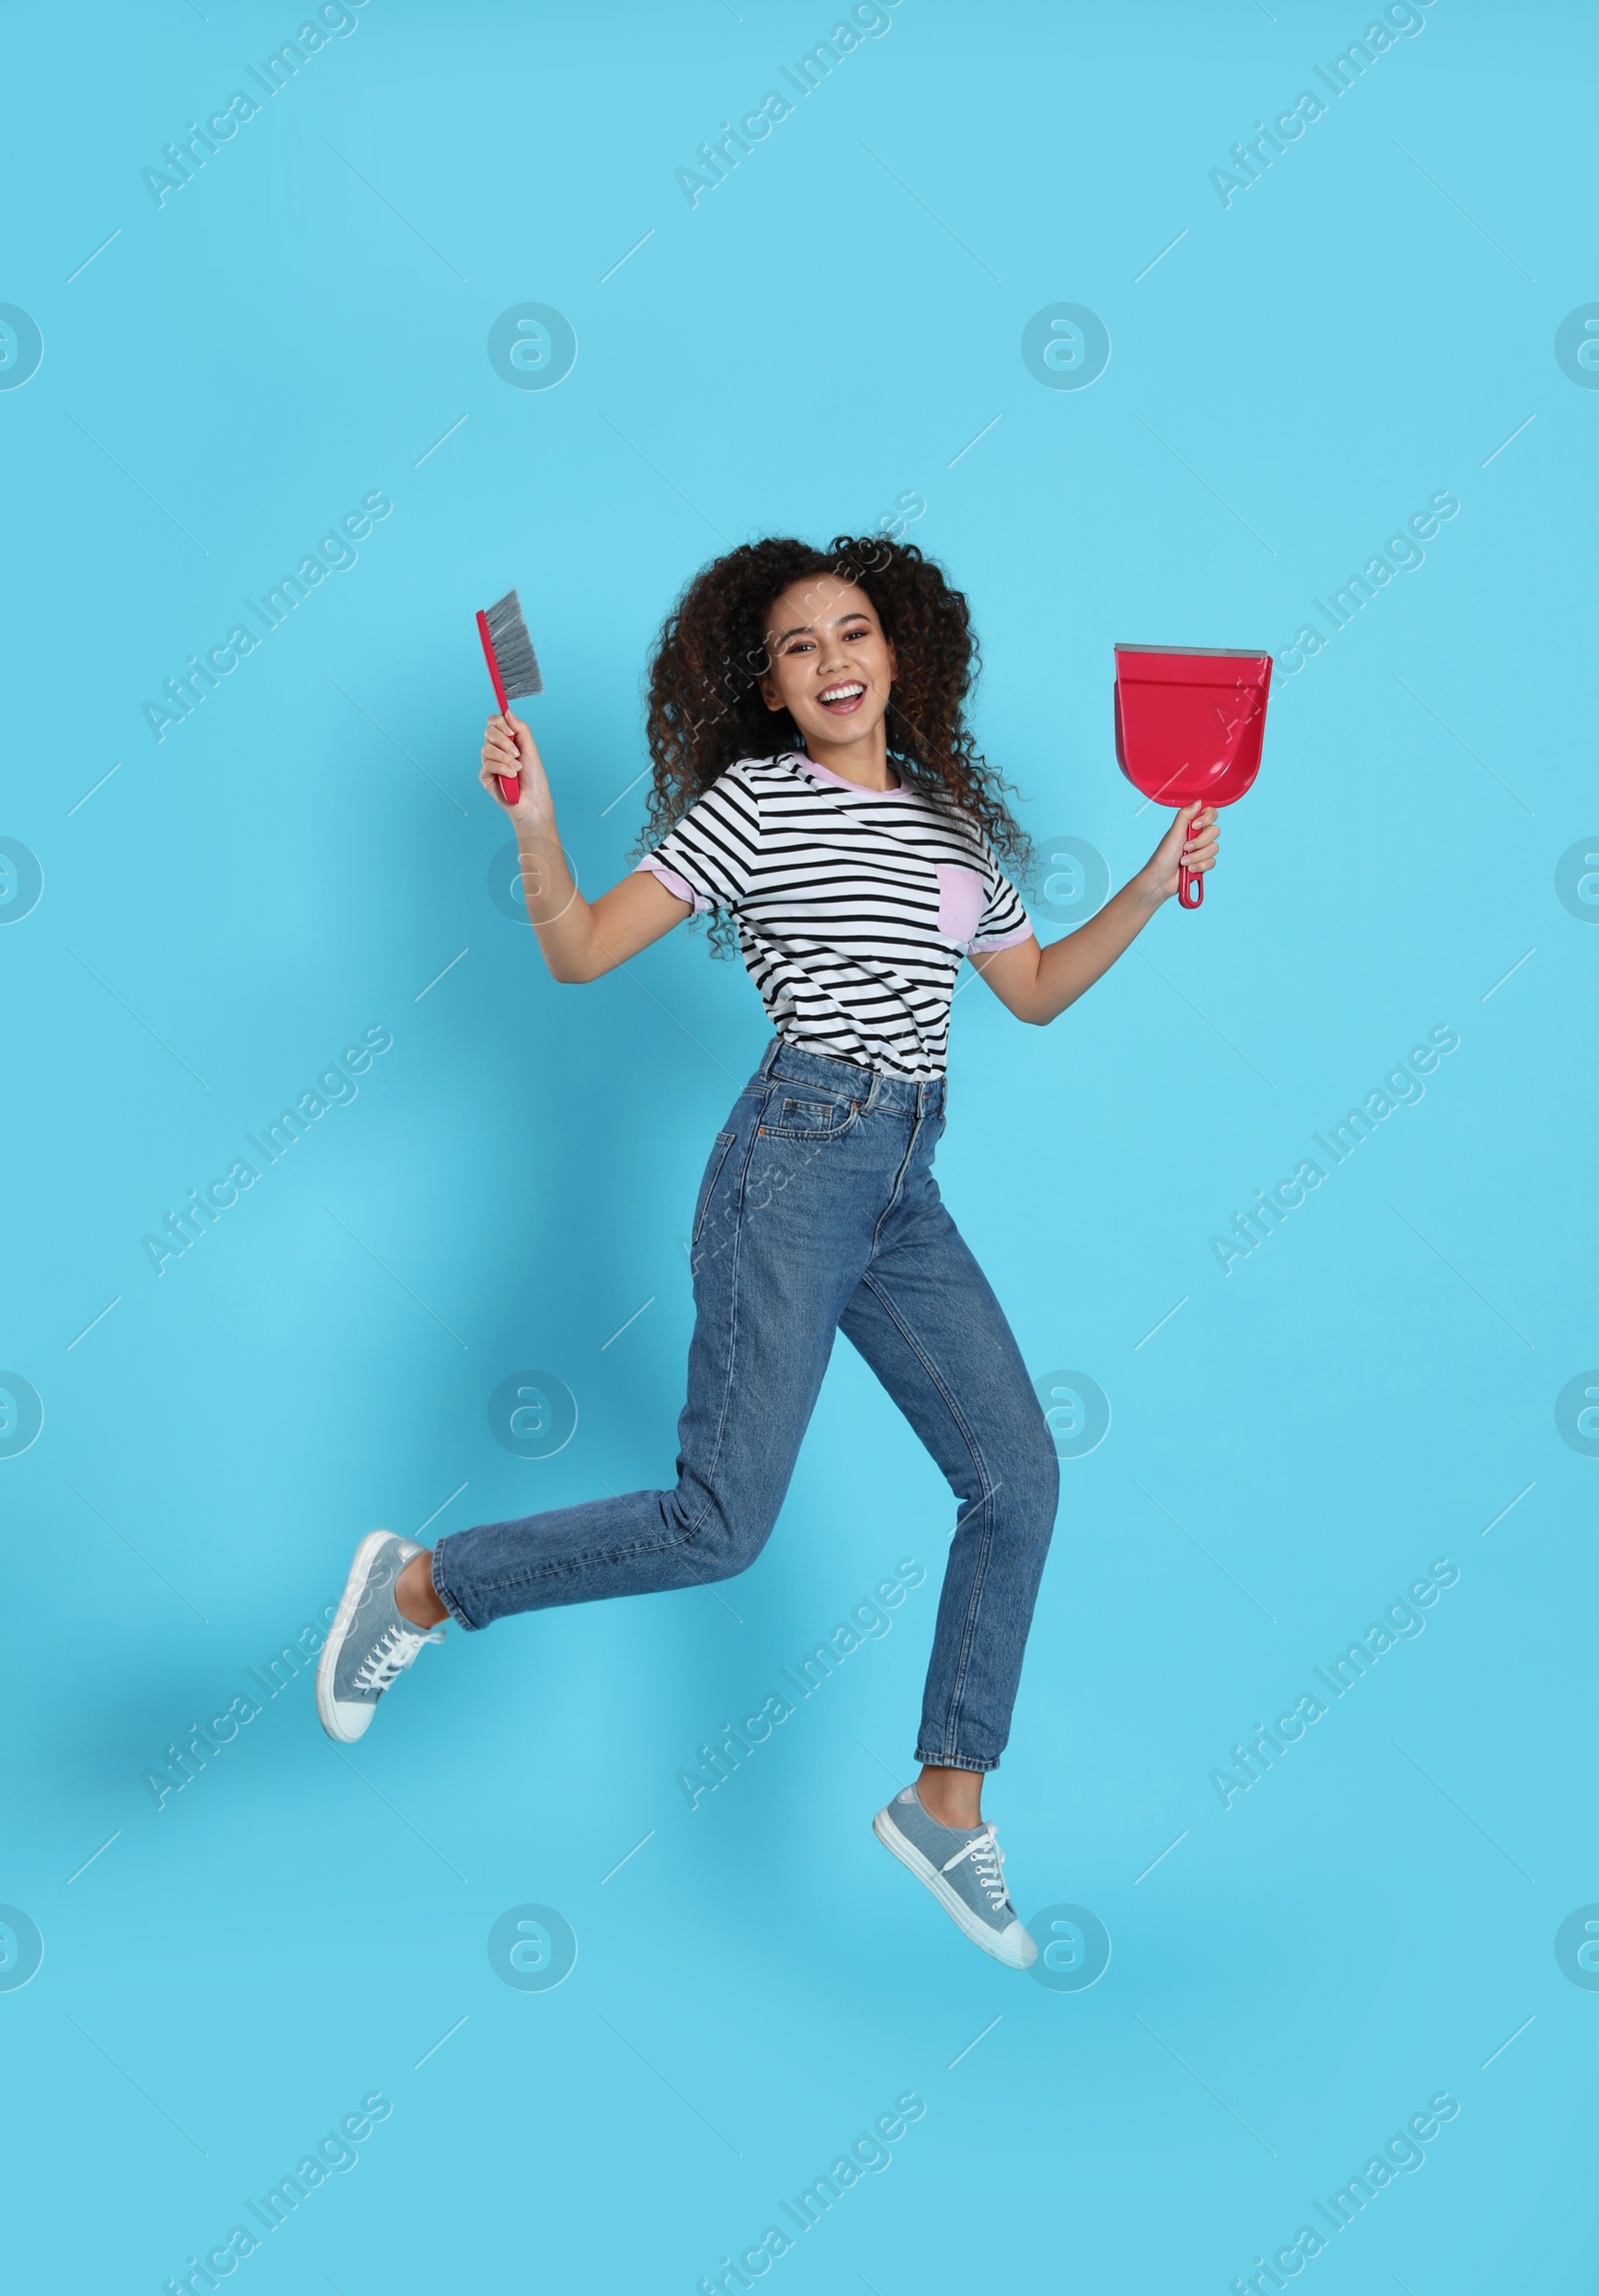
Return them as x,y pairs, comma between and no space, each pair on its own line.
855,907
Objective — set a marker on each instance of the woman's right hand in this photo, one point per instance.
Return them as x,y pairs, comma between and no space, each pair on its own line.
509,750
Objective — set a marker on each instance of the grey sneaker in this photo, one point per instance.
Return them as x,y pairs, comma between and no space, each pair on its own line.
964,1868
369,1644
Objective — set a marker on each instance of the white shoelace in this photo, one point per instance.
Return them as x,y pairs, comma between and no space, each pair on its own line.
390,1655
988,1859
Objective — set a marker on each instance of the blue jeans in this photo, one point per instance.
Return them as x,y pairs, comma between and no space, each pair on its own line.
818,1213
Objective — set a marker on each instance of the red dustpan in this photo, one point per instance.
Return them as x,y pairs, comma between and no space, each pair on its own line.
1189,723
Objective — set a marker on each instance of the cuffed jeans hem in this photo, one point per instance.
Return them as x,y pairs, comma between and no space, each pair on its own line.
936,1761
443,1593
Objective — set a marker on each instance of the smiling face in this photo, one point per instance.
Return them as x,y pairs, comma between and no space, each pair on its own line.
832,665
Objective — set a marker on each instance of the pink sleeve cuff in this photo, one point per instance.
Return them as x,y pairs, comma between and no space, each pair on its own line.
672,882
1002,940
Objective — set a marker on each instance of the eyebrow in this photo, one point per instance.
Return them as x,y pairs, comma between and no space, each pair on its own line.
800,628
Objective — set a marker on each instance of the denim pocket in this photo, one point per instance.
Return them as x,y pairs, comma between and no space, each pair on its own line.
811,1119
718,1157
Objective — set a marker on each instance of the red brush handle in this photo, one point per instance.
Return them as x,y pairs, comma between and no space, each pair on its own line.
510,790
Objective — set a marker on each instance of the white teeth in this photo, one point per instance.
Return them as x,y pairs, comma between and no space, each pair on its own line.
839,693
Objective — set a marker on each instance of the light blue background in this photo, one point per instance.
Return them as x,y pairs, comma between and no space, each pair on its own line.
821,334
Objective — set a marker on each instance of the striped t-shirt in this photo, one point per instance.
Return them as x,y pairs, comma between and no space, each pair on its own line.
855,907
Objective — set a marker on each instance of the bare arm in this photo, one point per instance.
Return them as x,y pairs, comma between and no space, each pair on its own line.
1039,984
580,939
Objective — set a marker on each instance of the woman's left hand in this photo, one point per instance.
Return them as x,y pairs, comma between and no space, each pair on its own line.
1038,984
1190,842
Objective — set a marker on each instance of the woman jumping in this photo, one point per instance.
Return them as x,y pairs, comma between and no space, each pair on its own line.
816,787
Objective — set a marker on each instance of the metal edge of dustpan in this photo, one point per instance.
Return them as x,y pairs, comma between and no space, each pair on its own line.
1222,653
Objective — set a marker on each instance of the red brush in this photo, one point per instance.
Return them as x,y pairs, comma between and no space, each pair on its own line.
513,664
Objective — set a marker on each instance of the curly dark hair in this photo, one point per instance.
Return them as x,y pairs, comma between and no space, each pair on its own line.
706,708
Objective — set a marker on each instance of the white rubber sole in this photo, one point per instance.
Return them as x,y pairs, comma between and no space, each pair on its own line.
327,1665
1020,1956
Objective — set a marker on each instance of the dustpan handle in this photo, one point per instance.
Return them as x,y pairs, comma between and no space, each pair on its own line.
1190,883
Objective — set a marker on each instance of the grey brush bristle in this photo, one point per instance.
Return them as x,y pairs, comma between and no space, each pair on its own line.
512,647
